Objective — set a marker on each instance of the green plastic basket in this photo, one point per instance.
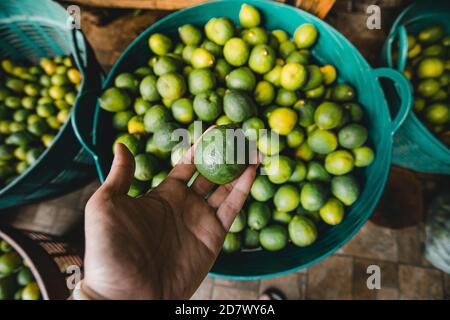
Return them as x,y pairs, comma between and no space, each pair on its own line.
331,47
415,147
29,30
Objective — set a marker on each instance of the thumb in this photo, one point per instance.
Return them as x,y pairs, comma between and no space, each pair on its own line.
122,171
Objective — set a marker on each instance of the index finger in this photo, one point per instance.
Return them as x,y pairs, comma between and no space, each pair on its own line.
235,200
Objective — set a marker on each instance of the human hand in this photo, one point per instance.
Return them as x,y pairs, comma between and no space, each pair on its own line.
163,244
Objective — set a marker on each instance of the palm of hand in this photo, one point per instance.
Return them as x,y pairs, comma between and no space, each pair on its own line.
160,245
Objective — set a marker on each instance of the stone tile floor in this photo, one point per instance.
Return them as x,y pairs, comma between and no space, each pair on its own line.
405,274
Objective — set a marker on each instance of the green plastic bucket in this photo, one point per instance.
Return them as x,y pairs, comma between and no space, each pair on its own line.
415,147
331,47
29,30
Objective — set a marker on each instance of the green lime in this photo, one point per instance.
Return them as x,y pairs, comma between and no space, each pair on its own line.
136,125
252,127
145,167
13,102
281,35
56,92
281,217
430,68
259,215
232,243
61,104
238,106
313,196
4,127
148,89
63,116
6,153
155,117
236,52
363,156
33,154
190,35
59,79
219,30
222,68
352,136
239,222
293,76
287,198
21,115
437,113
262,58
356,112
137,188
286,48
183,111
434,51
431,33
31,292
316,172
255,36
270,143
142,72
31,89
163,137
305,110
28,103
16,127
24,277
47,139
171,86
285,98
329,74
251,238
20,153
345,188
299,172
15,85
264,93
274,75
249,16
166,64
46,110
302,231
322,141
212,47
140,106
201,80
130,141
315,93
160,44
21,138
428,87
295,138
207,106
339,162
223,120
304,152
114,100
5,246
328,115
297,57
202,58
9,262
278,168
332,211
262,189
177,153
38,128
273,238
241,79
282,120
315,78
158,178
305,35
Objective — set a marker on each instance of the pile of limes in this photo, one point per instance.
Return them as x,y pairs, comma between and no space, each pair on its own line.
35,101
429,70
223,74
16,280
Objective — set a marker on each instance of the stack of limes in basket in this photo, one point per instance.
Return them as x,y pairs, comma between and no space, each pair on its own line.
16,280
429,70
35,102
255,79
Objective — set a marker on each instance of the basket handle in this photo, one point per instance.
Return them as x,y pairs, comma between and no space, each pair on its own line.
403,88
84,114
403,46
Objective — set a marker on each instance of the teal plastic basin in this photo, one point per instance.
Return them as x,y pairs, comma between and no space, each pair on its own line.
415,147
30,30
331,47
